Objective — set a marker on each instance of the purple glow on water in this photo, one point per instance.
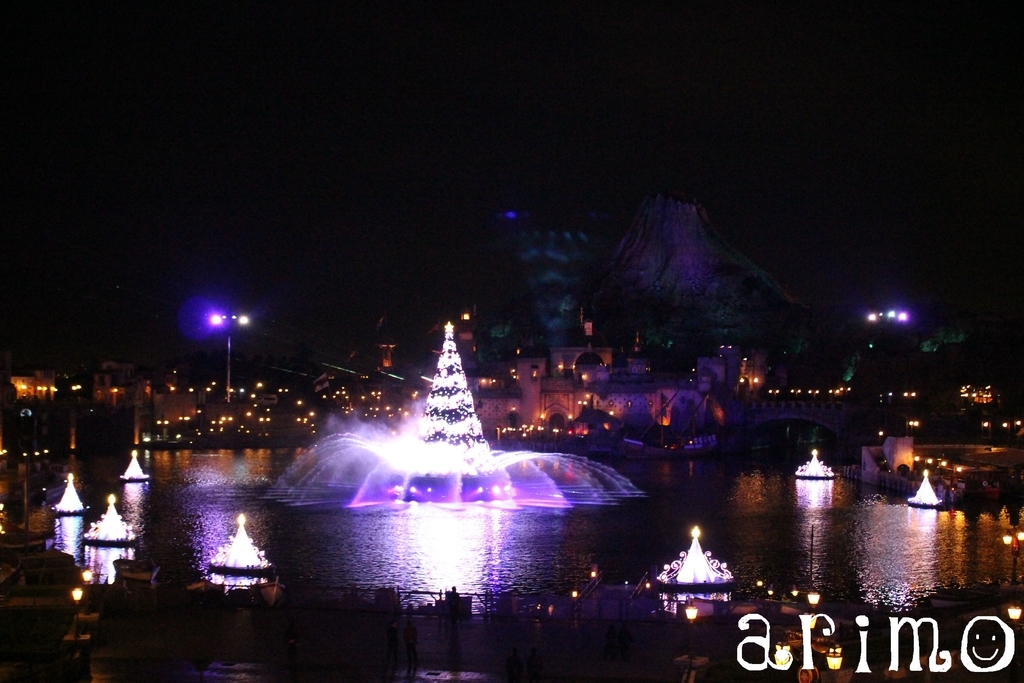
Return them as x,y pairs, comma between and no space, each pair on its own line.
68,535
101,561
359,472
865,547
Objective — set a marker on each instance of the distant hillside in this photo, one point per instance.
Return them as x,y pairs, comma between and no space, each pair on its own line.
678,282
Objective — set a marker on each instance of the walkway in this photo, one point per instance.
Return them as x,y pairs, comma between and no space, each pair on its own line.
248,645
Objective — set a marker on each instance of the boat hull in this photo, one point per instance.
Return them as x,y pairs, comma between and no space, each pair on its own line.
241,571
700,588
105,543
271,592
135,570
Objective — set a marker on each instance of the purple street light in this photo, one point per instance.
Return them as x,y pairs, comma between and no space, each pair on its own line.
219,320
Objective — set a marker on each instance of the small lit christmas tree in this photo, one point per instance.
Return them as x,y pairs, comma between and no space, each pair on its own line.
450,417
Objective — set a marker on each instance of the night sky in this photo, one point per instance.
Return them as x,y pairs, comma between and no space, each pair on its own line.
318,167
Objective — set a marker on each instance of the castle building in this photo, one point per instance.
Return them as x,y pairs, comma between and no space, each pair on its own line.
551,390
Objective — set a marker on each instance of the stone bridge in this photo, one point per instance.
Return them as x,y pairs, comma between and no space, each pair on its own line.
834,416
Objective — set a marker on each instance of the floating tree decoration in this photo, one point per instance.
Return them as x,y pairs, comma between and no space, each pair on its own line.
925,496
814,469
240,557
70,503
696,567
134,471
110,530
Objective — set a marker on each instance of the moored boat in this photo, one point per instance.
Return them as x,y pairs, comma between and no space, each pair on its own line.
271,592
135,570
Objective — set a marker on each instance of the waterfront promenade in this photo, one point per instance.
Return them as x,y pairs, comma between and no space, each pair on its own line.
243,644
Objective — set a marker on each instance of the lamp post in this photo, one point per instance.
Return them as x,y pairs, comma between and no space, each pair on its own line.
1014,612
76,595
86,580
691,617
1013,539
218,320
834,660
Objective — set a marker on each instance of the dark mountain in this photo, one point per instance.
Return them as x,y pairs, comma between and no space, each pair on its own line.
674,279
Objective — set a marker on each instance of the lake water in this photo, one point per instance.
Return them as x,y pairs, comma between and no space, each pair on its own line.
756,519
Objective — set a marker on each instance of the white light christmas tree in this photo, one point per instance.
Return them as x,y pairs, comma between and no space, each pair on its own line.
695,566
70,503
925,496
449,416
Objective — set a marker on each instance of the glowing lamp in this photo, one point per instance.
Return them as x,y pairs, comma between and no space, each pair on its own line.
783,656
1014,612
216,319
813,597
834,658
87,575
795,592
76,594
760,583
771,591
575,594
691,612
1007,539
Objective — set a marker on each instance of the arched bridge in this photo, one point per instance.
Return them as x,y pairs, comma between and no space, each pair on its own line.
831,415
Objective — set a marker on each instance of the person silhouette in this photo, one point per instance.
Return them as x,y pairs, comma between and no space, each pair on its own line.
393,642
625,640
610,641
533,666
453,607
411,636
514,667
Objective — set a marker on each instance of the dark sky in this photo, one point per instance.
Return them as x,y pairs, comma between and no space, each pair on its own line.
317,167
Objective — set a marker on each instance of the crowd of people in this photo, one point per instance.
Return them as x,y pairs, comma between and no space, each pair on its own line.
616,642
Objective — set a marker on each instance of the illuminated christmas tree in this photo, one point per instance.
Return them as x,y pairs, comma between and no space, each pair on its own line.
450,417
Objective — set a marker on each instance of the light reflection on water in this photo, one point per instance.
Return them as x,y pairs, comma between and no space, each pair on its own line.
101,561
760,522
68,536
896,559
